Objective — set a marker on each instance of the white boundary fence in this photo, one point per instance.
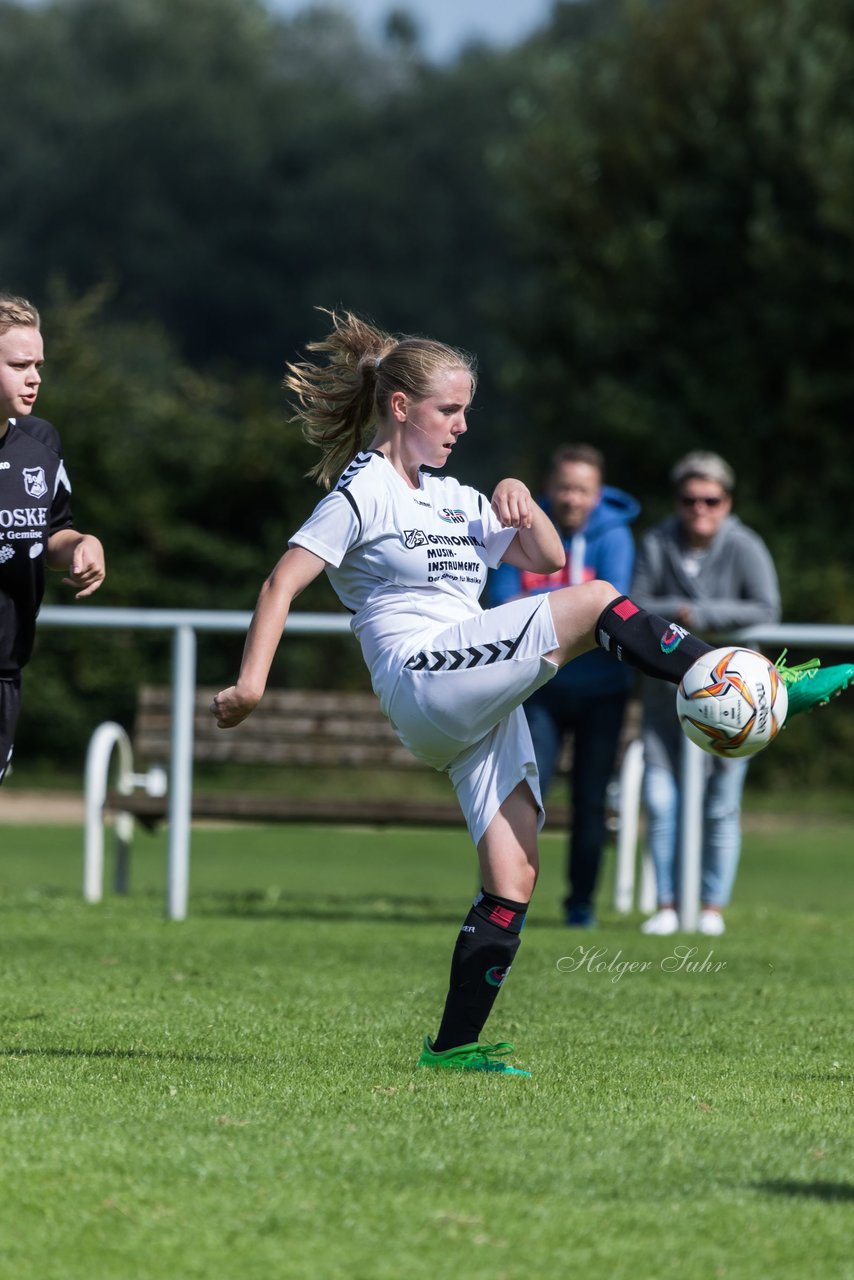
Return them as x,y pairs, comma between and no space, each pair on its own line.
184,626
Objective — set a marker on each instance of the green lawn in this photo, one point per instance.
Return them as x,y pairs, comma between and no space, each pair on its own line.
234,1096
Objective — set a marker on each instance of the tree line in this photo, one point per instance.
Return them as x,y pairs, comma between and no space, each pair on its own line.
641,219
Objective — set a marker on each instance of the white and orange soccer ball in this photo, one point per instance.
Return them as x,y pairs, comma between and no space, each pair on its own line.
732,702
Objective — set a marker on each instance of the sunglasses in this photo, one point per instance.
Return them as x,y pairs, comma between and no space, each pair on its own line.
688,500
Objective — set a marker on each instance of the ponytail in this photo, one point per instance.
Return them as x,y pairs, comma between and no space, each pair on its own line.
341,400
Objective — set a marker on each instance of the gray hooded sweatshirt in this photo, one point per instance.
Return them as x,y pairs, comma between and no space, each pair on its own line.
734,585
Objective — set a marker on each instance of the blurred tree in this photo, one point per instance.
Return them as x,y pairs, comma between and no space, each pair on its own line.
163,145
227,170
641,221
684,198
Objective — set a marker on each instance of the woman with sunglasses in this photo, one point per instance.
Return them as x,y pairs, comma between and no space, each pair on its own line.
711,574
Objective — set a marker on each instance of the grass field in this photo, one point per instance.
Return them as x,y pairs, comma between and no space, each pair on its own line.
235,1096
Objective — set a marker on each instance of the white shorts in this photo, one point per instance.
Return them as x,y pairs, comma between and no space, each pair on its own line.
457,703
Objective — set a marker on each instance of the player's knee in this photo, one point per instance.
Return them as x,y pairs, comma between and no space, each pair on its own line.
580,609
528,882
602,593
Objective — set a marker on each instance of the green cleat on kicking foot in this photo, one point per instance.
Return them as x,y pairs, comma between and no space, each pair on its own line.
809,685
471,1057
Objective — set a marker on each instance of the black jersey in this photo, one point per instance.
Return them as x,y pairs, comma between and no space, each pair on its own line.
35,502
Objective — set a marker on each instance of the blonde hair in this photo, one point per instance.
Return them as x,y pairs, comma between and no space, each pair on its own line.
17,313
341,400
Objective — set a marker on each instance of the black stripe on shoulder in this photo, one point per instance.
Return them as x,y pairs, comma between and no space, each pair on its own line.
345,493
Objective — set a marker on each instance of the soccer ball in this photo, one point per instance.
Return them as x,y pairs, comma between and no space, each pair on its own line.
732,702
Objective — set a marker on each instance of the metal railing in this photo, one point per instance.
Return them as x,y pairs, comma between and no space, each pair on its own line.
184,625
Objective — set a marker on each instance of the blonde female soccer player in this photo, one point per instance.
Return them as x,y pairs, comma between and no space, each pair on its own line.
407,552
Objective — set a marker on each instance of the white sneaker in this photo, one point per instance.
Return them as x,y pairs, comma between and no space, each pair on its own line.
711,923
663,922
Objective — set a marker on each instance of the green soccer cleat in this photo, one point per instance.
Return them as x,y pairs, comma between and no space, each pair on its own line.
470,1057
809,685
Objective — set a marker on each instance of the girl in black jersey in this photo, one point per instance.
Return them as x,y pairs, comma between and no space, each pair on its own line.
35,510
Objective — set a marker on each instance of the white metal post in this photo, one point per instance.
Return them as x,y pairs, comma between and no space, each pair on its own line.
105,738
691,834
631,776
647,895
181,771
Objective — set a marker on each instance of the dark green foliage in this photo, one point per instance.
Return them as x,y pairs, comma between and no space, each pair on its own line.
642,221
684,192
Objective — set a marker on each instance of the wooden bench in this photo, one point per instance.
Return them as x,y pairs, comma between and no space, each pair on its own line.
297,730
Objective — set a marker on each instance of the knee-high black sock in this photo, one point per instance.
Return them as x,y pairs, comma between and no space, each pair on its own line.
644,640
487,943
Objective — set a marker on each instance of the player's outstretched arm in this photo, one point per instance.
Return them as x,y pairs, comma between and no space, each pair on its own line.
296,569
537,547
82,555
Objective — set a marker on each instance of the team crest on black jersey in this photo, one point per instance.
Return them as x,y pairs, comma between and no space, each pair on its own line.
414,538
35,482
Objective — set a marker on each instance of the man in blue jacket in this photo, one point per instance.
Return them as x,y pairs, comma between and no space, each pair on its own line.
588,696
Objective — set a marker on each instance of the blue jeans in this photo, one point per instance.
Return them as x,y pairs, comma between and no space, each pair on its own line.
721,829
595,723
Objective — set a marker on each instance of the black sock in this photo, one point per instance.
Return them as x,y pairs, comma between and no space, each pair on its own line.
487,943
644,640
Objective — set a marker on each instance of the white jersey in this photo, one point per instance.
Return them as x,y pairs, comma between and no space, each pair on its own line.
406,562
410,565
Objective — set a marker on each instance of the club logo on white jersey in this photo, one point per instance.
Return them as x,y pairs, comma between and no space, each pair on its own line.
452,515
35,482
414,538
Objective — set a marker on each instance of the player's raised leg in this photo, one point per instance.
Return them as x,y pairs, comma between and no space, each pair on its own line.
665,650
596,613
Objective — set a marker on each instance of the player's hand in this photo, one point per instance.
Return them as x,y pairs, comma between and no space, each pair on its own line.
87,569
231,706
513,504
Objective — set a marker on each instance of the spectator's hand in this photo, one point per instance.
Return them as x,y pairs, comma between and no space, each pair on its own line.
513,504
87,569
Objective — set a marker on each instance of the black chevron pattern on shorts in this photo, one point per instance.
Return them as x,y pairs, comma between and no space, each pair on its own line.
477,655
